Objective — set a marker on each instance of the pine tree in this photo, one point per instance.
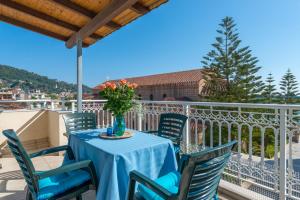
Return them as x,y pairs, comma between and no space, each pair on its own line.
231,71
270,89
289,87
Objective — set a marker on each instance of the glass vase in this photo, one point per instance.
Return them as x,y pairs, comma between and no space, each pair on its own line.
119,125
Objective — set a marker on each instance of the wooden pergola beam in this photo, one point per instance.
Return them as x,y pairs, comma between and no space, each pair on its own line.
113,25
101,19
29,11
32,28
76,8
35,28
139,8
84,12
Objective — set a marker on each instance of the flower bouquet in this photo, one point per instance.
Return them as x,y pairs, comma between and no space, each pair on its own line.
120,98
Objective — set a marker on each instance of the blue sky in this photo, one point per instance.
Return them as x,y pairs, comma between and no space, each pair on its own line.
173,37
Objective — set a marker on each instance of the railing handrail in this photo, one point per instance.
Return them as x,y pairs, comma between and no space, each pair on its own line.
46,100
220,104
88,100
195,103
27,101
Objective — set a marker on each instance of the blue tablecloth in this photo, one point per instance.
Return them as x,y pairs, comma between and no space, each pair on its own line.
114,159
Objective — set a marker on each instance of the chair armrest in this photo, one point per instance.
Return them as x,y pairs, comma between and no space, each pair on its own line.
63,169
135,176
151,132
66,134
54,150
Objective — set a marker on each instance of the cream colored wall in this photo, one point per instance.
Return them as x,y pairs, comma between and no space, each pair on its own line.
29,125
34,125
56,128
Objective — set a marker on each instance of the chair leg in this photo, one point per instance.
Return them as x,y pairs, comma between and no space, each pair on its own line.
79,197
28,195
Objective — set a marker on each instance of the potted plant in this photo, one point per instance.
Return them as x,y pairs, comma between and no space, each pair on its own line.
120,98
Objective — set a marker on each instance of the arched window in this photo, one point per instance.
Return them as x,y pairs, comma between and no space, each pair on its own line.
139,97
151,97
164,96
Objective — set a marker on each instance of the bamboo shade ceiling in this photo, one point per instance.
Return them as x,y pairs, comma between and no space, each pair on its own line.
62,19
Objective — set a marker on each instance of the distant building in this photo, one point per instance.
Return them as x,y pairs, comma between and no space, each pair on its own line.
66,95
19,94
183,86
37,94
7,94
13,94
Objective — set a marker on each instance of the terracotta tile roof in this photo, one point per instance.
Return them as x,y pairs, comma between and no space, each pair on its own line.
194,75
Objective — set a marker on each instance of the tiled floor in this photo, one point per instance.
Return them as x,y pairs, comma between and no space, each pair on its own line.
12,184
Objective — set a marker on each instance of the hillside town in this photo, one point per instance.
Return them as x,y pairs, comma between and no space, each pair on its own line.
18,93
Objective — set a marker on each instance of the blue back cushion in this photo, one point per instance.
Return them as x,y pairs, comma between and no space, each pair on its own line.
170,182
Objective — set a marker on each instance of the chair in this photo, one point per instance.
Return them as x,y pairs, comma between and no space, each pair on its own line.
198,178
79,121
65,182
171,127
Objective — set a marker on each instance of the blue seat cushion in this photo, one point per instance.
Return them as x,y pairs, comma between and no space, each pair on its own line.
170,182
58,184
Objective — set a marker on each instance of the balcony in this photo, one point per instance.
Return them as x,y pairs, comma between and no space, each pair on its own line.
260,168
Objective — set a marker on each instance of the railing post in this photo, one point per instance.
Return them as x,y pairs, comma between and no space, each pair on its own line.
45,104
63,106
73,106
52,105
282,167
140,117
112,120
186,137
290,156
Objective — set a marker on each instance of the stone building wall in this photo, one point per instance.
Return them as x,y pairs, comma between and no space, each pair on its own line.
188,90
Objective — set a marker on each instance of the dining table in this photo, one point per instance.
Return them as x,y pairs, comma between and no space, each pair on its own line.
113,159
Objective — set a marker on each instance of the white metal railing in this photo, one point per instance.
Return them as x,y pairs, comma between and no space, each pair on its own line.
260,162
36,104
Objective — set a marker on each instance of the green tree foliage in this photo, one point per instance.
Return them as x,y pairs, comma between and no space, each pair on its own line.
2,85
14,77
231,70
269,91
289,87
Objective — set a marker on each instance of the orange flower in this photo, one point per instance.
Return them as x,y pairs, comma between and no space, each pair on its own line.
134,85
108,84
113,86
102,86
123,82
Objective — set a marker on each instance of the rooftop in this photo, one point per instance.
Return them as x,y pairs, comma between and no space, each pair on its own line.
194,75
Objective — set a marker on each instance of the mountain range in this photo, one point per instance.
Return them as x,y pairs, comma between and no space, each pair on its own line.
14,77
